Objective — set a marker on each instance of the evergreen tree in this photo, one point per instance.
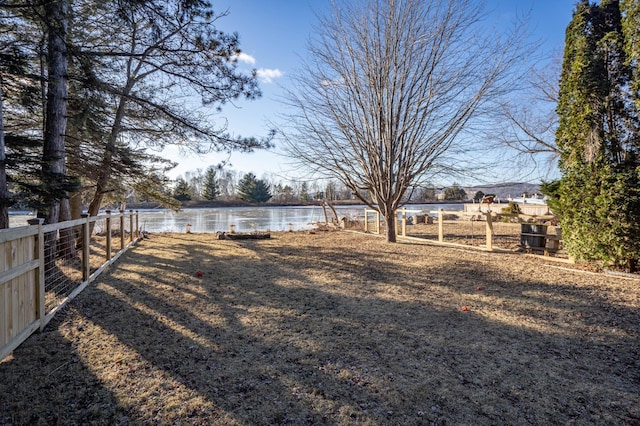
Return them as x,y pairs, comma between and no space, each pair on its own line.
253,190
182,191
598,198
455,193
630,28
304,192
261,193
246,186
210,190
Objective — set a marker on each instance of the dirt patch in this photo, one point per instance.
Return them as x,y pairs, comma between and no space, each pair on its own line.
332,328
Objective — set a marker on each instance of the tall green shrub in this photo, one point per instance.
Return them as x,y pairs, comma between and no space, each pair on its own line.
597,197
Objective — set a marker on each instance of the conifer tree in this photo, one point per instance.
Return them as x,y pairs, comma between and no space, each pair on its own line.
598,199
252,190
261,193
211,191
631,29
182,192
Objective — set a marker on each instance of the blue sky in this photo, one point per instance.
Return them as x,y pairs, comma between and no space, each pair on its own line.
273,35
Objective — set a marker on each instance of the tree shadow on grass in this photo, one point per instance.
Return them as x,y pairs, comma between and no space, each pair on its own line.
302,334
46,382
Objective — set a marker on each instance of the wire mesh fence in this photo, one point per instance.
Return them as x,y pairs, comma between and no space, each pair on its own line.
67,265
63,266
45,266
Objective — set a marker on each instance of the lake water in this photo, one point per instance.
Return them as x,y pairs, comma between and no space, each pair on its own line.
246,219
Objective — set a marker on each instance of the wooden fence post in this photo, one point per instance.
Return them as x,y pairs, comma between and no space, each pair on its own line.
39,281
404,221
121,229
130,226
108,248
86,240
137,225
377,222
440,225
489,236
366,221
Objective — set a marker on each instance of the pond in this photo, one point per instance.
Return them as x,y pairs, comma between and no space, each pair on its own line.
247,219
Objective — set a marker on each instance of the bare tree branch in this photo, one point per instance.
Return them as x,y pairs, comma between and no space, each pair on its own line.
391,86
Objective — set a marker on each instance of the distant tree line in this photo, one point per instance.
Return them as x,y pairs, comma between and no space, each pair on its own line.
226,184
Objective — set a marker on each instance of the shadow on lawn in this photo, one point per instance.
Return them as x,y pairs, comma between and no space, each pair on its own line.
283,335
46,382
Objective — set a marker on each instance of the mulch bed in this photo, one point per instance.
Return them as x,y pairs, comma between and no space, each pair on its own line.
331,328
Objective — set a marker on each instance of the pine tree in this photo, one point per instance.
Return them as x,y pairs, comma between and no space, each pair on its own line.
630,27
246,187
598,199
210,190
261,192
304,192
182,192
253,190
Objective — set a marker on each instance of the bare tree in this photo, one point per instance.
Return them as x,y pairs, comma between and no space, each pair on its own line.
528,121
389,90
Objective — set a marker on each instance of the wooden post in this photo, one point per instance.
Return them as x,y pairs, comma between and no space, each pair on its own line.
121,229
440,225
489,231
137,225
377,222
130,226
39,281
86,240
404,221
366,221
108,248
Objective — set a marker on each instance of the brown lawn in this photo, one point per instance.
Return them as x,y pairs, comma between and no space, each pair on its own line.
332,328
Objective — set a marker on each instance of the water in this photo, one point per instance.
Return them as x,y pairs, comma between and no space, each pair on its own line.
247,219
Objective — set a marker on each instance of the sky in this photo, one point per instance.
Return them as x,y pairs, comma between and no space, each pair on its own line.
273,36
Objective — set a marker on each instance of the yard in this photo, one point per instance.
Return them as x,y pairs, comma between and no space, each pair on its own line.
332,328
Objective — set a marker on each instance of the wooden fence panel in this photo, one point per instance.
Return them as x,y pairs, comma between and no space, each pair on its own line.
18,293
22,274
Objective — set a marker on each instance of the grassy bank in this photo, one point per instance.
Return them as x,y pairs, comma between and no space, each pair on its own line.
332,328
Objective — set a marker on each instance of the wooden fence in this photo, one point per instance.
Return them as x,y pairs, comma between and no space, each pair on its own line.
43,267
487,219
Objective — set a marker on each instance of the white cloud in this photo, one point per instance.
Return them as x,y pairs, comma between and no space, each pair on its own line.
268,75
338,82
247,59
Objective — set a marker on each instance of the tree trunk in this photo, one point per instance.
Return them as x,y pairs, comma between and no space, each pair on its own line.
67,249
104,175
390,218
4,191
75,204
53,154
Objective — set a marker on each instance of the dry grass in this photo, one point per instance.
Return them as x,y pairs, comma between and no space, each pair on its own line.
332,328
